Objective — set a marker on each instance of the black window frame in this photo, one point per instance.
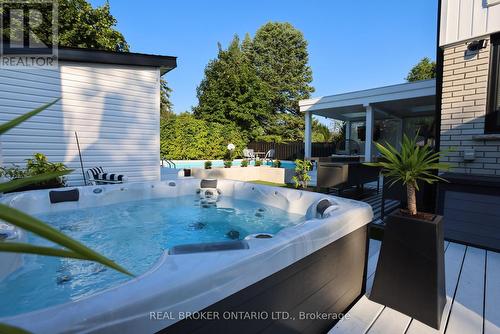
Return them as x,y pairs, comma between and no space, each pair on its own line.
492,121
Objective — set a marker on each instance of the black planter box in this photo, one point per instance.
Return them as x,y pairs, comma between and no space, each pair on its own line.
410,274
51,185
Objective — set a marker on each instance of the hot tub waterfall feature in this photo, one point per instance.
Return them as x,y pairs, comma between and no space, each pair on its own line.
225,248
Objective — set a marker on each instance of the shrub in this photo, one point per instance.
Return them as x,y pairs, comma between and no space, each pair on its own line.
301,177
37,165
258,163
208,164
228,163
186,137
244,163
14,172
276,163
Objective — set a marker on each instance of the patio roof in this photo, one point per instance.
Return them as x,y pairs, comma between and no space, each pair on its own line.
396,101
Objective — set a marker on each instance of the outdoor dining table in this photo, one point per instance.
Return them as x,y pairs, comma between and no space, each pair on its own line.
258,153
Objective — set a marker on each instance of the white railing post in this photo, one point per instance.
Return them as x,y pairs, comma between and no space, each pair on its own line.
369,124
308,135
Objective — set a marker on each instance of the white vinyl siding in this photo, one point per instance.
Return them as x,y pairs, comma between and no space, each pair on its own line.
462,20
114,108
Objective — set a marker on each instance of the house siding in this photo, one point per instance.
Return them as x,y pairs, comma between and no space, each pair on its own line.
115,110
462,20
463,109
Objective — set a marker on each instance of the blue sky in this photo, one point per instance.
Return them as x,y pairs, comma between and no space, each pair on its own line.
353,44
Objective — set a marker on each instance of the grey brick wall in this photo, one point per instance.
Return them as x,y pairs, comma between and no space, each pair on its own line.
465,80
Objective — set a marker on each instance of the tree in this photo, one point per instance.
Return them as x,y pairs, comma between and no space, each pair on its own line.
279,55
320,132
231,92
165,103
82,26
425,69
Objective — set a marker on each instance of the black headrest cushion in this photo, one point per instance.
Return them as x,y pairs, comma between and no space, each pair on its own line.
323,205
208,183
57,196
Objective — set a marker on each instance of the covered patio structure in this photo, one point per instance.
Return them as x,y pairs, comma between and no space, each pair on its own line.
378,114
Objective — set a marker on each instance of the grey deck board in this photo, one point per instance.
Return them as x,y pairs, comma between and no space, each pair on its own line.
472,293
467,310
454,257
492,294
390,322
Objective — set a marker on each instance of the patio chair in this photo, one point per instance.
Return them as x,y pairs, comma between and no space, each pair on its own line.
99,175
269,155
345,175
248,153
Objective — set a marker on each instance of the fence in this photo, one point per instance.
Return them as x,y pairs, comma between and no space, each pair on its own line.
293,150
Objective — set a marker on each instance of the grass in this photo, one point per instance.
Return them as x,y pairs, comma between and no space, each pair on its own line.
266,183
284,185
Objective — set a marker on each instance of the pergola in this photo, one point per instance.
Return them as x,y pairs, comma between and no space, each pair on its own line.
390,102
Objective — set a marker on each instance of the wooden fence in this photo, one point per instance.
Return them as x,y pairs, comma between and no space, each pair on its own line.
293,150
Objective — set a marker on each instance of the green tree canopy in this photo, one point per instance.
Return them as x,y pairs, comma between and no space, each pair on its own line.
166,106
279,54
232,93
425,69
258,83
79,25
320,132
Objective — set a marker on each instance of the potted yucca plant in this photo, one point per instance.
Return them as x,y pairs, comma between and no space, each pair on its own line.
410,270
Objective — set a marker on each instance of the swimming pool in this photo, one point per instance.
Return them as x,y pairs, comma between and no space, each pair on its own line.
285,245
179,164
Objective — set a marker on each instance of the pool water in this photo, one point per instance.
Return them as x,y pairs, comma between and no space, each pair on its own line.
179,164
134,234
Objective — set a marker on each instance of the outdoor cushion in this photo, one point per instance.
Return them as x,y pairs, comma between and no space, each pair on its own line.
58,196
110,177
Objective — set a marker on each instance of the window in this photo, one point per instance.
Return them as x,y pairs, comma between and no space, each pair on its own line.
492,124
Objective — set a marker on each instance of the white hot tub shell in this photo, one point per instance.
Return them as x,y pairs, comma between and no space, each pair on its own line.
187,282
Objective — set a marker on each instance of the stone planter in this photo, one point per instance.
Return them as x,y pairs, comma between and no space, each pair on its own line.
250,173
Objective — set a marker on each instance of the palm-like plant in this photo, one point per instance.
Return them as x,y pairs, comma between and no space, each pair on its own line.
412,164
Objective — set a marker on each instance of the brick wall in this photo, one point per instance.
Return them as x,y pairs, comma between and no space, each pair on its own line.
465,80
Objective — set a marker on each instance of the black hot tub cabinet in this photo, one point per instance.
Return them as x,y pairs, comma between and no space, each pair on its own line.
300,277
305,297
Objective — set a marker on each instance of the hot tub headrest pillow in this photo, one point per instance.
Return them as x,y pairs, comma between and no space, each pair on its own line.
58,196
325,206
208,183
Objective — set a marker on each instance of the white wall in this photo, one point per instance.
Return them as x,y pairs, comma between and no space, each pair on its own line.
466,19
114,108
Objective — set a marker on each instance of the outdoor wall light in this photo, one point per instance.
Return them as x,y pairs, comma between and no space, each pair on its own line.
476,45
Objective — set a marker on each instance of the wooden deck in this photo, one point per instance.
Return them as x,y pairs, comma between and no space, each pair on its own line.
473,298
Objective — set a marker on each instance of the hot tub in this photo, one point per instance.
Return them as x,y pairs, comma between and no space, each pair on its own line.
258,258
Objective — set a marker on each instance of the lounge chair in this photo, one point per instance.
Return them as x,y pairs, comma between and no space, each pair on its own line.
98,175
248,153
269,155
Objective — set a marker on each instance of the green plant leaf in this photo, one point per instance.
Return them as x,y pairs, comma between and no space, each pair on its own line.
19,247
8,329
18,183
16,121
26,222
